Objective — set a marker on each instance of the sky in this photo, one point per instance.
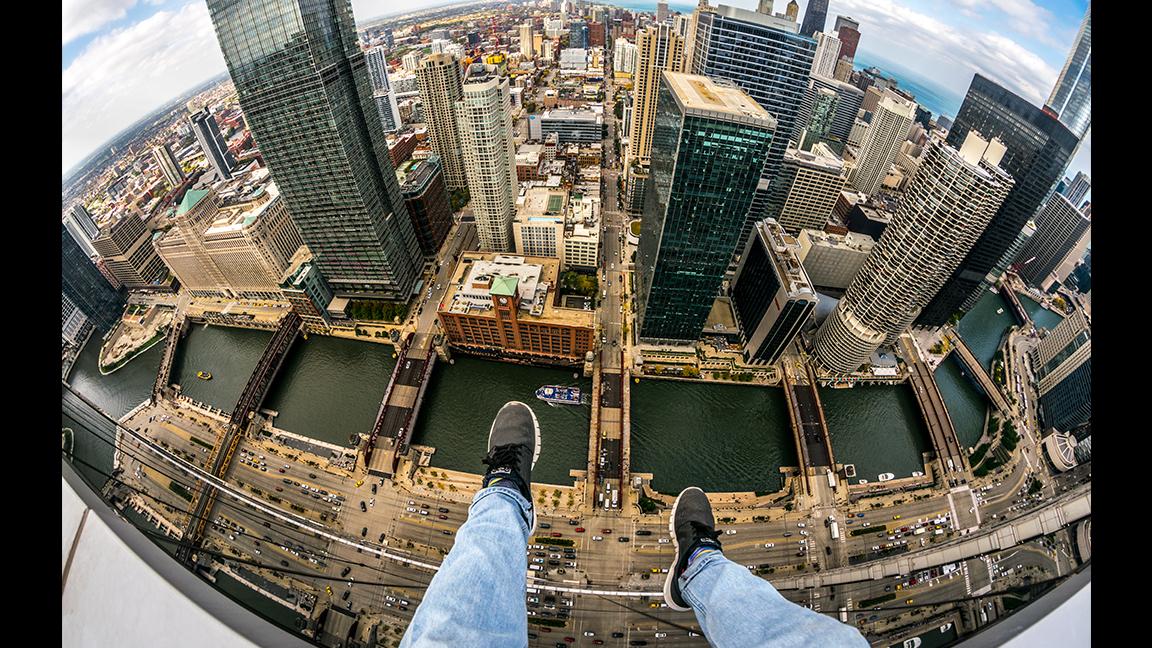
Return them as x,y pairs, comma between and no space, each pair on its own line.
123,59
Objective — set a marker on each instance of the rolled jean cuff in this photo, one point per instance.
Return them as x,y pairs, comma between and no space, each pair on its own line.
510,494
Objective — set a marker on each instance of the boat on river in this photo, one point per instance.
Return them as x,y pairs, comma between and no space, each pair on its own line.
886,476
559,395
204,375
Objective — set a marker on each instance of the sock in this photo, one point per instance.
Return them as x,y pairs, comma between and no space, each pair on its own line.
701,550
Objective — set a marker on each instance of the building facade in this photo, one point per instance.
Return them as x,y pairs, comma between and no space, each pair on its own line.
581,125
169,165
771,294
815,17
82,284
484,119
502,306
1059,226
826,56
833,260
658,48
438,77
426,196
710,143
881,142
126,249
847,106
1039,149
1062,364
308,100
1071,98
815,179
212,143
83,229
382,94
949,202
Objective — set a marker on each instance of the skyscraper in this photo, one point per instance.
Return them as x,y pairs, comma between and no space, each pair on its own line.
1062,363
173,174
83,229
1078,189
526,51
792,10
771,61
382,94
881,142
658,48
771,294
212,143
438,77
848,31
125,247
815,179
304,87
949,201
578,34
1039,148
827,53
710,142
661,11
848,101
1059,226
815,17
820,119
84,286
484,116
1071,98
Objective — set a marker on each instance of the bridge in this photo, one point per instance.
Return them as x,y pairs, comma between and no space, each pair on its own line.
976,371
607,461
1009,295
809,428
401,405
250,399
940,430
176,330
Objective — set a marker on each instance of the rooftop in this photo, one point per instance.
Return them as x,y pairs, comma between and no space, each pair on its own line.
715,98
479,275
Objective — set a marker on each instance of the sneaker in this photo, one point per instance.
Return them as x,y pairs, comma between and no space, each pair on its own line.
513,448
691,526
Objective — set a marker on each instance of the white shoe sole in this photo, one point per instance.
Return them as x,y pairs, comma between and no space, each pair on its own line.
672,575
535,453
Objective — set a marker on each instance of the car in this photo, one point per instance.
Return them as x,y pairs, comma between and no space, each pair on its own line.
364,532
589,633
279,489
769,545
799,525
573,522
865,524
730,531
311,475
346,594
605,531
859,515
895,517
544,525
663,540
661,635
637,642
443,517
597,538
909,601
443,510
381,540
623,539
643,532
373,489
535,567
887,588
804,533
410,509
787,534
345,571
283,563
446,532
363,507
580,529
617,635
411,502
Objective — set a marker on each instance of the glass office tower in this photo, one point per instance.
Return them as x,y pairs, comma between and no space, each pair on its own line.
708,147
303,85
85,287
1039,149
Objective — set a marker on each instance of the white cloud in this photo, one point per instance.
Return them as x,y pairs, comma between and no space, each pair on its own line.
79,17
123,75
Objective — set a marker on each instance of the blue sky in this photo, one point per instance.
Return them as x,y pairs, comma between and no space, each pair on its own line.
122,59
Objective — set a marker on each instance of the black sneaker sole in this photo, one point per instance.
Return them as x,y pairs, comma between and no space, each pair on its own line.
535,452
672,575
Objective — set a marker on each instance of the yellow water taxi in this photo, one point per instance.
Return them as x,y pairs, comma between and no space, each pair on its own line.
204,375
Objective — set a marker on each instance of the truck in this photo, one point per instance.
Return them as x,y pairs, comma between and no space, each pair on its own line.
831,479
919,531
835,530
843,614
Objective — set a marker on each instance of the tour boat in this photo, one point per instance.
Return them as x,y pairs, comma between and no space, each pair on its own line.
917,474
862,481
850,470
204,375
886,476
559,394
999,311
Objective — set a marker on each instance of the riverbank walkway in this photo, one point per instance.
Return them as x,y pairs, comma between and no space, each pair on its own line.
400,406
940,429
250,400
976,370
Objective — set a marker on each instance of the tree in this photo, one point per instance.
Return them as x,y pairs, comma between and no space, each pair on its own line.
618,111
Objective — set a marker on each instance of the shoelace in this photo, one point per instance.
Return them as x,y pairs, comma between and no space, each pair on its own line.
701,531
504,456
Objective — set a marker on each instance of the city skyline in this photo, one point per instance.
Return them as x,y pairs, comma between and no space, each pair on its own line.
123,59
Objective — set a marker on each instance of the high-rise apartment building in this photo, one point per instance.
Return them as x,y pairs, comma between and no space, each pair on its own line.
578,34
771,294
212,143
168,164
826,56
84,286
526,51
658,48
382,94
1059,226
815,179
83,229
426,196
709,145
1071,98
881,143
952,197
820,119
815,17
769,60
438,78
126,248
623,59
1039,148
411,61
484,120
848,100
661,11
303,84
1062,364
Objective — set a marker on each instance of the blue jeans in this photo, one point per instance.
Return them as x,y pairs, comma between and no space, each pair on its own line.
477,597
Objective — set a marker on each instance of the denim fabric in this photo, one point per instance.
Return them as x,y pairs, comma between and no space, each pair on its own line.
739,610
477,597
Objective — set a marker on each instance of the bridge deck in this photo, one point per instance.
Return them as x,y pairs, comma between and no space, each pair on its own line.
400,405
977,370
940,429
